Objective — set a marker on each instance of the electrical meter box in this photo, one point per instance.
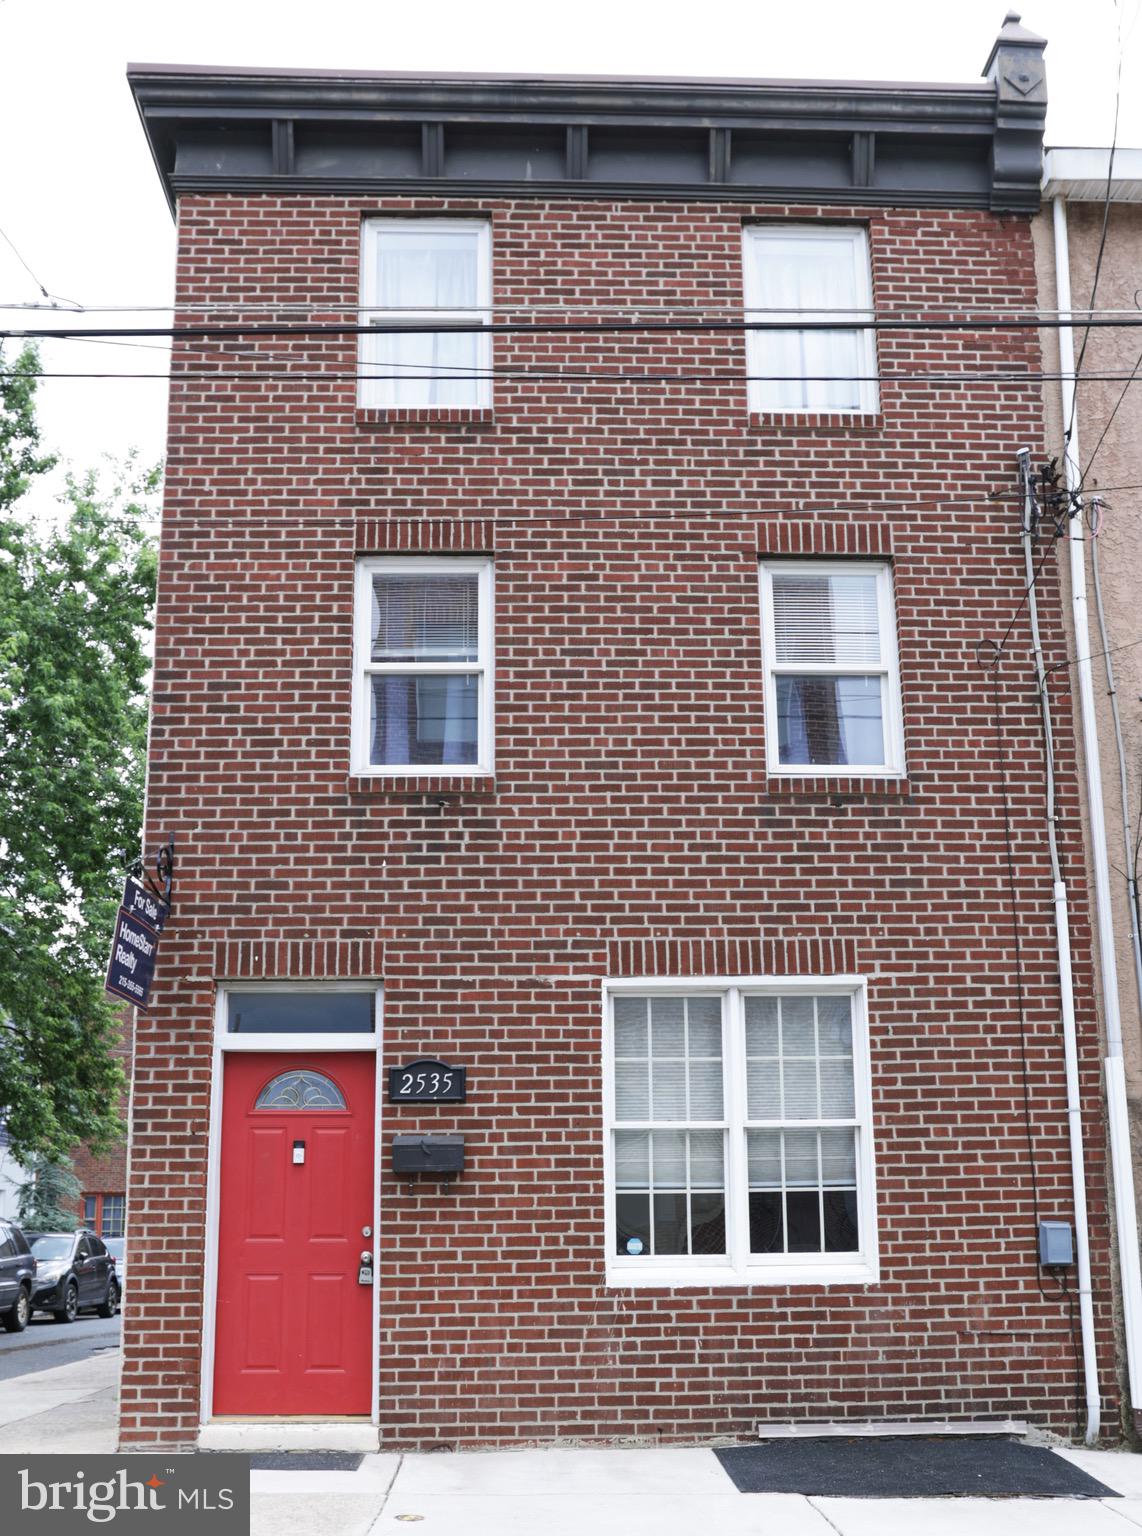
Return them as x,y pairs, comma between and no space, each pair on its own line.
1056,1244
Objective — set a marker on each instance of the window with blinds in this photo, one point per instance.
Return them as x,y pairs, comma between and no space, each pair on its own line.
819,275
423,686
739,1135
832,679
416,272
670,1136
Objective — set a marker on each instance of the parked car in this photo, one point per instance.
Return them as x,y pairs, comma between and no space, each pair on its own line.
17,1278
117,1248
74,1273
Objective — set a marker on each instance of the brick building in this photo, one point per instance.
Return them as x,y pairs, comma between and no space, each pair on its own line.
102,1204
541,696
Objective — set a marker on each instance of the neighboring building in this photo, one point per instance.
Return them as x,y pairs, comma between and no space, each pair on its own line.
553,703
12,1175
1092,223
103,1179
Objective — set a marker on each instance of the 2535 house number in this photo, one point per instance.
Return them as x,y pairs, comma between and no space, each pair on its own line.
427,1082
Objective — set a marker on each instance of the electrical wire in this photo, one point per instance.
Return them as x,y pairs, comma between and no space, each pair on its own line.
1016,929
54,301
430,327
1109,423
1067,435
562,373
731,309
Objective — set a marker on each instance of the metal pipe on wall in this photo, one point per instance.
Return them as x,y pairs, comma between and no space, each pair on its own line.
1066,984
1126,1220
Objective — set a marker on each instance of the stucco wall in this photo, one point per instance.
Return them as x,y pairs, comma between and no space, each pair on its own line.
1116,464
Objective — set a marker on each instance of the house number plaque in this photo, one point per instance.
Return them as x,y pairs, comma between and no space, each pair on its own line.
428,1081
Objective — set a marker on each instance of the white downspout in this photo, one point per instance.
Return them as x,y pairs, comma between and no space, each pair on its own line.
1126,1221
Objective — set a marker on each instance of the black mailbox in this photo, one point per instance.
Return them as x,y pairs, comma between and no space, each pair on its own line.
428,1154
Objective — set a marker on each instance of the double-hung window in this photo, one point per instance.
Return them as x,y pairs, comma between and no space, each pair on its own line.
820,275
832,682
739,1139
422,695
416,273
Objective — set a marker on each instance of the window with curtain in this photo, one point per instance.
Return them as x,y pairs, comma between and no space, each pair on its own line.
423,643
821,275
739,1133
832,678
416,272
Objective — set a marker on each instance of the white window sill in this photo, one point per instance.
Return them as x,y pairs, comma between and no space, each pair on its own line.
417,781
642,1277
415,771
857,771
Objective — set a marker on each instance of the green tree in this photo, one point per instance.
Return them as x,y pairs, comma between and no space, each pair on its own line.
48,1199
76,594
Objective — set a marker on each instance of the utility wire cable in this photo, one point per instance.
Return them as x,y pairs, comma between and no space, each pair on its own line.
563,373
1067,435
733,310
224,330
54,301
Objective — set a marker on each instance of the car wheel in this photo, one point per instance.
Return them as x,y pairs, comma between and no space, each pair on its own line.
70,1309
16,1318
111,1305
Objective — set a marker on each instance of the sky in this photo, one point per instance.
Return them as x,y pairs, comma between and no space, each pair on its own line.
81,201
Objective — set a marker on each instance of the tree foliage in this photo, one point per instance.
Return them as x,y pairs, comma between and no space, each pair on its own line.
76,594
48,1198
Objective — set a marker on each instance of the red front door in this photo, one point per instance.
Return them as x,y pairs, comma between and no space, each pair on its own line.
294,1326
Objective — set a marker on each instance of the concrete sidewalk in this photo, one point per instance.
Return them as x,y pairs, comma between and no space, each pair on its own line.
571,1492
656,1492
64,1408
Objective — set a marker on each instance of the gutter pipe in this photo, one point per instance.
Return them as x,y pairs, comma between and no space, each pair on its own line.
1126,1219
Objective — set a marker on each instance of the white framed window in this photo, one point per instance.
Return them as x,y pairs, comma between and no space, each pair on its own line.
832,675
738,1132
415,271
818,273
423,666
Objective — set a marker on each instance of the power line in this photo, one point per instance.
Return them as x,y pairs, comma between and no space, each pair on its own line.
1109,422
560,373
53,301
734,309
12,247
1102,238
236,330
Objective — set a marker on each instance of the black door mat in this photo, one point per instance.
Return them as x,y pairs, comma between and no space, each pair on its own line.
872,1468
305,1461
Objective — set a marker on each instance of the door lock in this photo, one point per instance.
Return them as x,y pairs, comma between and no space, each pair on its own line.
365,1273
366,1231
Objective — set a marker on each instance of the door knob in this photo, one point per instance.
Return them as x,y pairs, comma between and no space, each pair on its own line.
366,1256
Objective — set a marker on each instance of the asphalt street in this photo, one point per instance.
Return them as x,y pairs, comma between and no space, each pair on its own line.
45,1343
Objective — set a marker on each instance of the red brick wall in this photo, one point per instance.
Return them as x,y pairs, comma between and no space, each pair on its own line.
631,826
107,1174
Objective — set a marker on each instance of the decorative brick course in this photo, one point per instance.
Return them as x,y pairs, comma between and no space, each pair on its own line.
630,826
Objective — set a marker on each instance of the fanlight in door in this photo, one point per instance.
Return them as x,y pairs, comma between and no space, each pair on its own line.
300,1090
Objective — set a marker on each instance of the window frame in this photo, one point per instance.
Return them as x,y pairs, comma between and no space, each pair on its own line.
365,668
892,716
857,238
370,314
95,1211
738,1267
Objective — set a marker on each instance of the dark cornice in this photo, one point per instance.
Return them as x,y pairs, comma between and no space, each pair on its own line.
238,130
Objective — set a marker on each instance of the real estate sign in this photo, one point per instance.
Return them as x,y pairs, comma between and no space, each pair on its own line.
134,944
